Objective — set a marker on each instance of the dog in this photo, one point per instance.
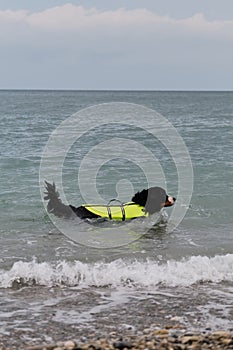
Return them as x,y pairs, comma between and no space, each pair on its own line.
142,204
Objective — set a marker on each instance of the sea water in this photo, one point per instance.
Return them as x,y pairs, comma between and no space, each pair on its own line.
51,286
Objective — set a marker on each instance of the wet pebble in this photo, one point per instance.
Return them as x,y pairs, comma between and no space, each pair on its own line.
69,345
122,345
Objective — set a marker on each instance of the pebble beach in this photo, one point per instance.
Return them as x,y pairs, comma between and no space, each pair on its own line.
158,339
167,339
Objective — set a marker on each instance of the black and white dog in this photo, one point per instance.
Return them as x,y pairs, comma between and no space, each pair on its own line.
149,201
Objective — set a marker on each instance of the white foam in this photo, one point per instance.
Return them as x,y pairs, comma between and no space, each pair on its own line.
121,272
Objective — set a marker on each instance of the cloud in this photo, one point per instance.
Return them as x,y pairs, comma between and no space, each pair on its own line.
12,16
139,34
112,44
72,18
90,29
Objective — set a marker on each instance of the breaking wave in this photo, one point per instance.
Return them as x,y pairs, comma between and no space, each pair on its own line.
119,273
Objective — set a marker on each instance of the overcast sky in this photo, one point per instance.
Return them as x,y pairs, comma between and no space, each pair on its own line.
109,44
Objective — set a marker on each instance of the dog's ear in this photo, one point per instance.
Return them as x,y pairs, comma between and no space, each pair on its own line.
140,198
155,200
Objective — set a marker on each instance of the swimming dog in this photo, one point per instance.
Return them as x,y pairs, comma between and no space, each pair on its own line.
143,203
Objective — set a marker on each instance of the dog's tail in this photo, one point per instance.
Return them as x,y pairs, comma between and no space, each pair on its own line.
55,205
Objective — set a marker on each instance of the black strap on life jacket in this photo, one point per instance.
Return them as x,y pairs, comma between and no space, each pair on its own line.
109,213
123,213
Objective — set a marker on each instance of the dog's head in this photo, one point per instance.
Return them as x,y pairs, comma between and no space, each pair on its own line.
153,199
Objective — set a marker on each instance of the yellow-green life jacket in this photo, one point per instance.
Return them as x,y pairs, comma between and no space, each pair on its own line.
122,212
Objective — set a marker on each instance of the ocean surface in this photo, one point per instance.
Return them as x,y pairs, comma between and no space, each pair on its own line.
53,287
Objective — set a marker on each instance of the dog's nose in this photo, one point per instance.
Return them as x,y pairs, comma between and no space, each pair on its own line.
171,199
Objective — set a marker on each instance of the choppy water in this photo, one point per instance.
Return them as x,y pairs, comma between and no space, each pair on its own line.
48,282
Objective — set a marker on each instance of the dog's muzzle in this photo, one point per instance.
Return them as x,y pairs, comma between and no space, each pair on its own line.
169,201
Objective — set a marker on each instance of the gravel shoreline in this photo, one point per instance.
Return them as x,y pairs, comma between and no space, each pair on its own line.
164,339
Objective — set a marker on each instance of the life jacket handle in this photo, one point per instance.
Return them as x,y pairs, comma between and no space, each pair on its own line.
121,205
115,200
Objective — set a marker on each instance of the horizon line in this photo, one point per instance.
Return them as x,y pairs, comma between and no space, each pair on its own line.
116,90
